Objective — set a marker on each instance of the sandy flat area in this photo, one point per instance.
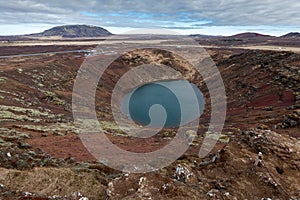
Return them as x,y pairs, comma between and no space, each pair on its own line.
119,40
271,48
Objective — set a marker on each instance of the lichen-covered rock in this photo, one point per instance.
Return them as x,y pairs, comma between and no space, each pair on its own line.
14,113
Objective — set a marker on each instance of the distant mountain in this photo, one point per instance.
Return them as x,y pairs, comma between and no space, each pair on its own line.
249,35
74,31
204,36
291,35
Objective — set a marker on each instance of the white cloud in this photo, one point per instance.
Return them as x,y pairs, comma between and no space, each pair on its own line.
174,14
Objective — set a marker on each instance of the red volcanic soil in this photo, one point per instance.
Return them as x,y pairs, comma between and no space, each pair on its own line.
253,80
262,89
283,98
62,147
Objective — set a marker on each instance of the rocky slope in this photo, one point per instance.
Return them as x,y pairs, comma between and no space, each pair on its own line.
42,156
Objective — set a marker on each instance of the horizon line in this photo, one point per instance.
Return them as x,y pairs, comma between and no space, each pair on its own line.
186,32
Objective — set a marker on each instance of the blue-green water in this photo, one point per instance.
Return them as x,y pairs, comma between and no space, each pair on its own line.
164,104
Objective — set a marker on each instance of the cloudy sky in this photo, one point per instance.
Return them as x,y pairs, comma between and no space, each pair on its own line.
213,17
